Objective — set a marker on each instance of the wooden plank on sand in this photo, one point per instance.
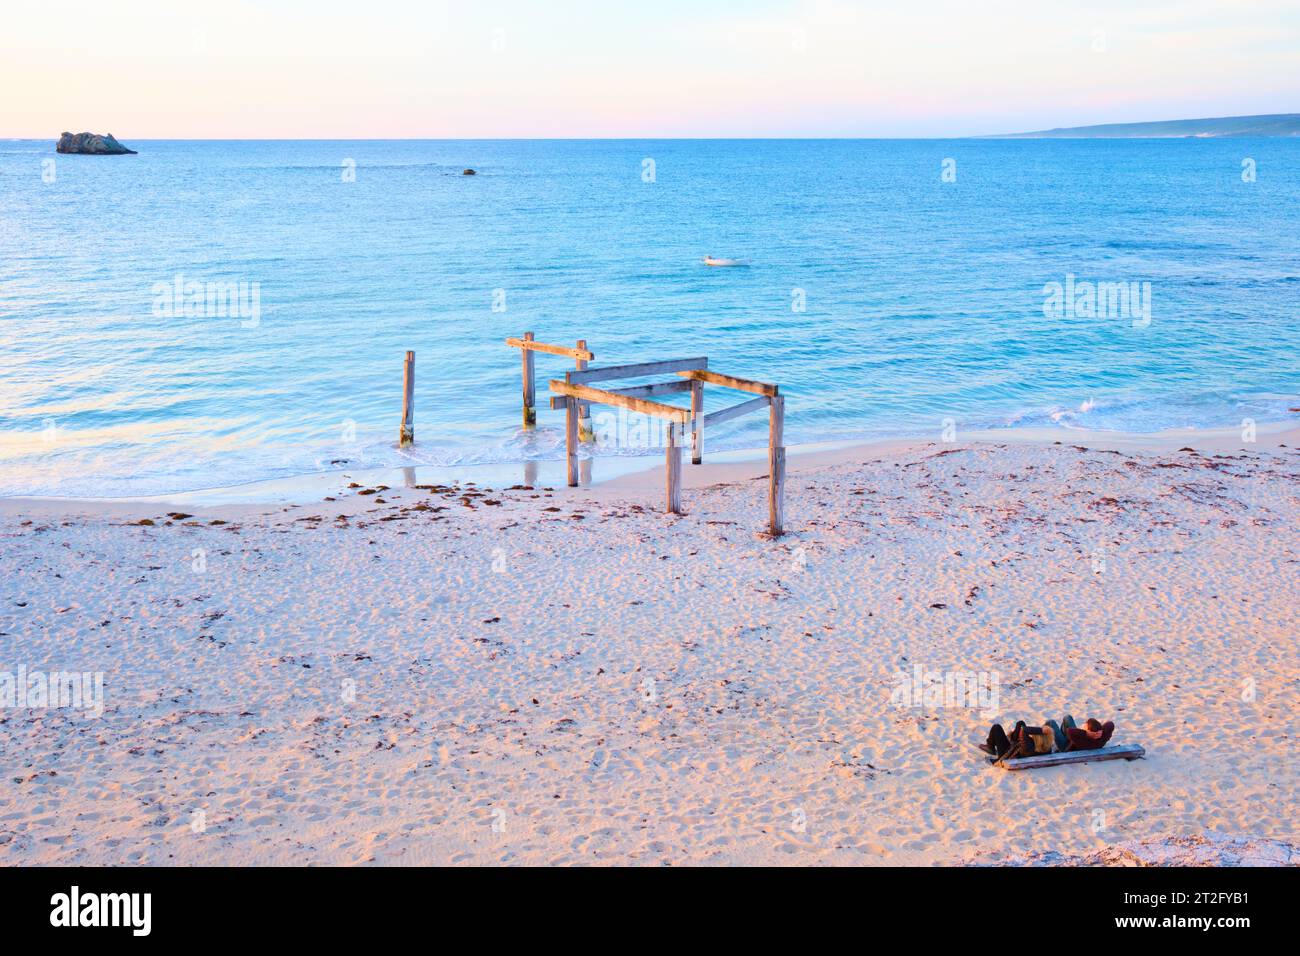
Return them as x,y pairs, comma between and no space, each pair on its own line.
1122,752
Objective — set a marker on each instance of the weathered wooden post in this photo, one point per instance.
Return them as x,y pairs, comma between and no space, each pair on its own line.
697,422
673,467
408,401
584,408
530,390
776,465
571,439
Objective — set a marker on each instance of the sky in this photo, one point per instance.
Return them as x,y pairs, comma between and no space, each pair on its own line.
283,69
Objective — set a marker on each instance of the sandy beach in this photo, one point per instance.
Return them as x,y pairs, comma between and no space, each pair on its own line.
488,675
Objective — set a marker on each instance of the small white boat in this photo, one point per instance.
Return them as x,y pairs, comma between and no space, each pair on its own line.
711,261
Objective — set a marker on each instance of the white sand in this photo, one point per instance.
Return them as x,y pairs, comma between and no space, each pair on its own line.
604,683
1211,849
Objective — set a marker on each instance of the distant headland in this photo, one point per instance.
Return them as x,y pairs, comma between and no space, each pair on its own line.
92,144
1273,124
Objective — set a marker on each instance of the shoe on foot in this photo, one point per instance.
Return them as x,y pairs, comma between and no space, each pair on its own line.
997,744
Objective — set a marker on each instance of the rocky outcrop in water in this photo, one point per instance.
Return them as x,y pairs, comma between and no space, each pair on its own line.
92,144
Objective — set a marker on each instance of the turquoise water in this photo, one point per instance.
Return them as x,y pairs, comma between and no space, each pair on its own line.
924,299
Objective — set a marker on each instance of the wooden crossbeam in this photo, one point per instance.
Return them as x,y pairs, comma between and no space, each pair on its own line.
729,381
567,351
636,370
654,388
637,391
600,396
661,388
735,411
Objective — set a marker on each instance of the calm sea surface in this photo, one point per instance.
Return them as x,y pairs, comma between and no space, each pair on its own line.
882,298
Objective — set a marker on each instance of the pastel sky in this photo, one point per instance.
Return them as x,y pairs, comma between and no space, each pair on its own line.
219,69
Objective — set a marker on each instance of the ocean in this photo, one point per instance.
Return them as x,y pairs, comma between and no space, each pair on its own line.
892,288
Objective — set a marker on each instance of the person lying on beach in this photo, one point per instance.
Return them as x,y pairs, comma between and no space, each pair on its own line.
1023,741
1027,741
1093,735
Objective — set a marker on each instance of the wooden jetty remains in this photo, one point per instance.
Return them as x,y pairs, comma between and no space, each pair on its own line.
575,394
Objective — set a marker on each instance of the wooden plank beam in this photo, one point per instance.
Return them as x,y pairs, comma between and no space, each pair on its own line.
636,370
528,345
654,388
599,396
730,381
637,391
735,411
1124,752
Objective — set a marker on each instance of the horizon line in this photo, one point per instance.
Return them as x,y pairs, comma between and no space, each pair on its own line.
1028,134
1010,137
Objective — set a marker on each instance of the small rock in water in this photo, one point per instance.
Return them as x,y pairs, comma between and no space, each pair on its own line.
469,172
92,144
